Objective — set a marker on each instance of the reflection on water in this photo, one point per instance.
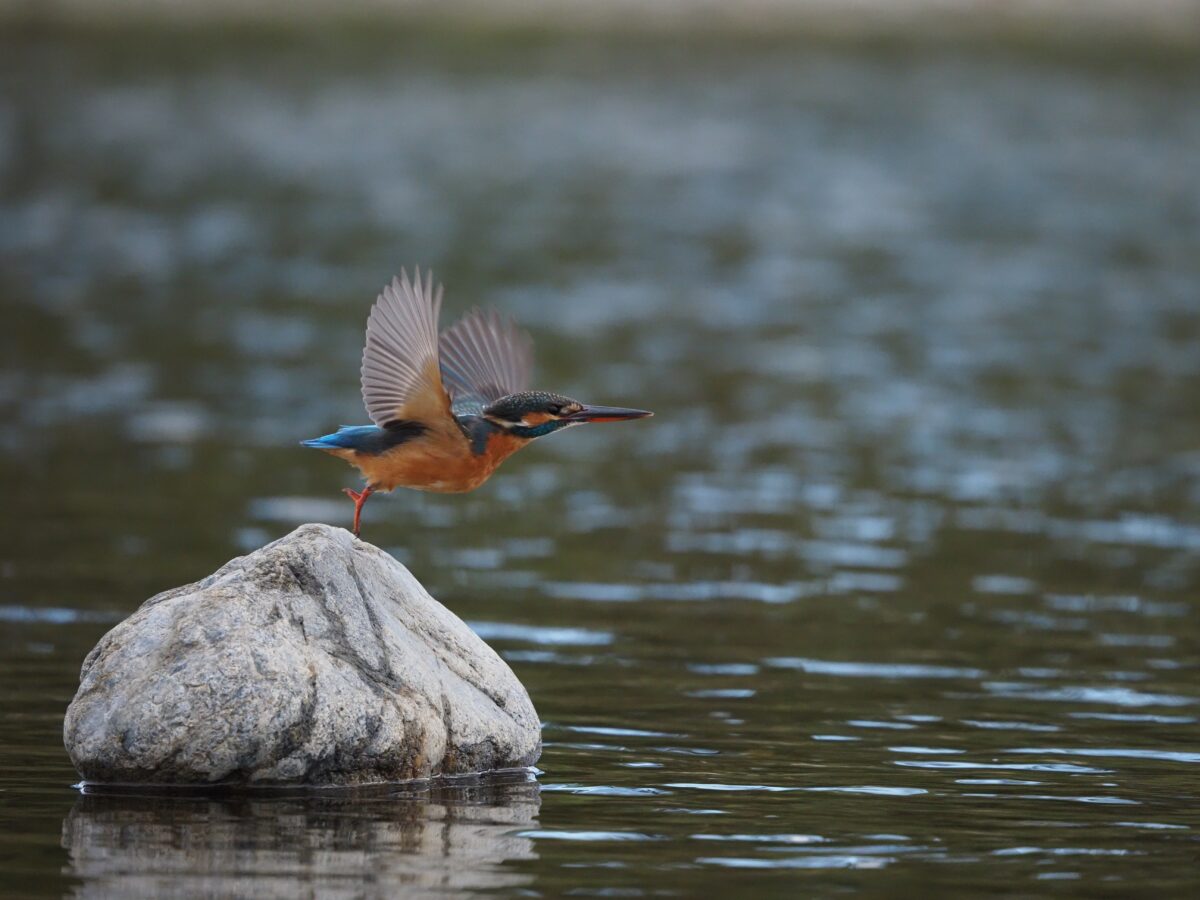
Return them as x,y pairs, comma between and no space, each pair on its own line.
898,588
448,839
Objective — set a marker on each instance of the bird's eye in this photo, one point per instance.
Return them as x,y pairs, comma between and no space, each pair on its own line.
554,409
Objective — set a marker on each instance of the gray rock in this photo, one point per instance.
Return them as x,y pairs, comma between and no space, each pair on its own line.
318,659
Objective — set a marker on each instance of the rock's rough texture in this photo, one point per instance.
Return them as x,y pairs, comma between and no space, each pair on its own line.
318,659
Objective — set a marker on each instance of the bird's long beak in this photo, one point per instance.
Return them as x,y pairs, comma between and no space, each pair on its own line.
607,414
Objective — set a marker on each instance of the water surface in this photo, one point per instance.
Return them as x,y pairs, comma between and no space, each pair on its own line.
898,590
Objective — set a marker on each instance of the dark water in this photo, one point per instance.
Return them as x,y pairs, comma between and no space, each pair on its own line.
898,591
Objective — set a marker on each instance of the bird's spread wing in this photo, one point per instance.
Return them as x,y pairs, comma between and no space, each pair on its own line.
484,357
401,378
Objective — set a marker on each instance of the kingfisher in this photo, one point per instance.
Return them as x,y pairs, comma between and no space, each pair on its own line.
448,408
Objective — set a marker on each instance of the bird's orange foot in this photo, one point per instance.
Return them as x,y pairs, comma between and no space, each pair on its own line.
359,498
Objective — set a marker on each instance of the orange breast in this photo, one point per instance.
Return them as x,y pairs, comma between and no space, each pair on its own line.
442,463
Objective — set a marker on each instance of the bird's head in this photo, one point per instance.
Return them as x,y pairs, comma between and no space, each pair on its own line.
532,414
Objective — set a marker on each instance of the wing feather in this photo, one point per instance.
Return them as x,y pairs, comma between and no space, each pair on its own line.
484,356
401,375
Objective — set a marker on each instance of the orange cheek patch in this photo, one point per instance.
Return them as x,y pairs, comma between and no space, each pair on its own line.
536,418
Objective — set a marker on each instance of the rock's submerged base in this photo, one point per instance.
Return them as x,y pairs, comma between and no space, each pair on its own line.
318,659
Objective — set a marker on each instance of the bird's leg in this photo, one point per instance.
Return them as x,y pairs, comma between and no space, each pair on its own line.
359,498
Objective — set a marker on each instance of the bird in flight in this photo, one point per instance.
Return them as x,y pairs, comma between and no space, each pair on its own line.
448,408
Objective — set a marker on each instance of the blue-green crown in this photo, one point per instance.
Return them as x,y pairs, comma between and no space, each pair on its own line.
513,408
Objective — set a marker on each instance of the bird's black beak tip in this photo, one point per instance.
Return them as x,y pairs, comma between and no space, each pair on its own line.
609,414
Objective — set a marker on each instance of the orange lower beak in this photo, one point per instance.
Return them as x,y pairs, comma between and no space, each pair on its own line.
608,414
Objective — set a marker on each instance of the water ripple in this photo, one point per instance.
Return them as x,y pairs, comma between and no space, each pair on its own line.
731,788
56,615
534,634
590,836
836,861
723,668
875,790
1085,694
1009,726
1002,584
1113,752
613,732
869,670
603,790
789,839
592,591
1068,768
932,751
1134,717
1099,800
1064,851
1018,782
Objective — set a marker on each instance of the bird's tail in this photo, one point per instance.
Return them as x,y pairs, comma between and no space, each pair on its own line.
369,439
347,437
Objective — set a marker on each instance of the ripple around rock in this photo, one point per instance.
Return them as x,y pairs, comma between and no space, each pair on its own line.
317,659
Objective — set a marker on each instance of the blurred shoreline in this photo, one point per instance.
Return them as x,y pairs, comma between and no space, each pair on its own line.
1166,22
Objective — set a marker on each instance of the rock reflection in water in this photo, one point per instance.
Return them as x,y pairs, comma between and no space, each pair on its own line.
454,837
